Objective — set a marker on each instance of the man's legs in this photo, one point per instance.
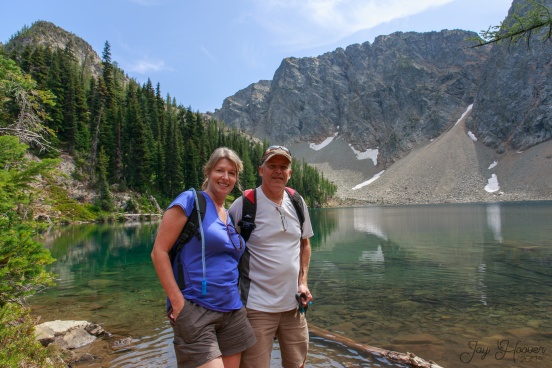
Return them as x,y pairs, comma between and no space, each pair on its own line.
293,337
264,325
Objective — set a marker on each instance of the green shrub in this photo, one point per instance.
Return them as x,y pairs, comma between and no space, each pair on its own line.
22,258
18,346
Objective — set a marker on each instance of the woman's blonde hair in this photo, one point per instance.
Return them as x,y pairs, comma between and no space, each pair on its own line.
222,152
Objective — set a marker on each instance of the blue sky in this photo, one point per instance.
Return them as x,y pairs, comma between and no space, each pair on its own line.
206,50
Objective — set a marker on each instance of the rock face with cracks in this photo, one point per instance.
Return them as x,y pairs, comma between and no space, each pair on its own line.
402,89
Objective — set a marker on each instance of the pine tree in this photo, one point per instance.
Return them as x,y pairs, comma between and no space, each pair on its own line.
173,173
108,74
56,85
105,199
249,174
69,129
138,163
82,139
39,67
97,106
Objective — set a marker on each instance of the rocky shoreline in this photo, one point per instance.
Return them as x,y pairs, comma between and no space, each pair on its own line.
81,341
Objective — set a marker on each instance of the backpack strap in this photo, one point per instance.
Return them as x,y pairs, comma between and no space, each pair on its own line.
249,211
190,229
297,204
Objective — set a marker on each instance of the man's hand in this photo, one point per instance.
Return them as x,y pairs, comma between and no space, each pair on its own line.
305,289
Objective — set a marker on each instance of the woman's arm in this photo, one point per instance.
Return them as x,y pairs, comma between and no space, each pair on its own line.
173,221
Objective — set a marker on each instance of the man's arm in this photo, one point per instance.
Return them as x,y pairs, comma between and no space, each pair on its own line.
304,259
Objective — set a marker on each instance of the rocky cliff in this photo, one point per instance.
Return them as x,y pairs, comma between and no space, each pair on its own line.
513,105
403,89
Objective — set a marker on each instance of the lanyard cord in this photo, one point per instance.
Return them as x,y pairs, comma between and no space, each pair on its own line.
204,281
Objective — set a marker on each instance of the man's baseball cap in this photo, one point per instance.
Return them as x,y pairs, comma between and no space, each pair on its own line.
276,151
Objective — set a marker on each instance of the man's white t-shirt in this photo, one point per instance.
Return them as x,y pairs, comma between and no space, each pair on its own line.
273,253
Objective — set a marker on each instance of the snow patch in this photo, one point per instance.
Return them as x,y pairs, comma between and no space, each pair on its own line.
368,154
465,113
318,147
493,165
492,185
472,136
369,181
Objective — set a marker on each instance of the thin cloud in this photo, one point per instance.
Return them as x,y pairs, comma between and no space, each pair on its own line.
315,23
209,55
252,55
146,66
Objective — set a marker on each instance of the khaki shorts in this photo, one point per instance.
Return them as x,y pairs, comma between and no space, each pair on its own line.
201,335
290,328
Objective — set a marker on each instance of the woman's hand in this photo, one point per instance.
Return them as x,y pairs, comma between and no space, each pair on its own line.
176,308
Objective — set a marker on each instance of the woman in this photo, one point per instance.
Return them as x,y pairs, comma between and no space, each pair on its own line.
210,325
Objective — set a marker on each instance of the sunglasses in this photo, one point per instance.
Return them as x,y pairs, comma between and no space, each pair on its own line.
232,235
283,219
272,148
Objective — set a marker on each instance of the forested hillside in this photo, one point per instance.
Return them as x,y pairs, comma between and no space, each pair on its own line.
123,135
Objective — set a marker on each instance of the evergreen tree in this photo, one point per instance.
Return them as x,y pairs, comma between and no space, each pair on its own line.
108,74
249,175
117,160
97,116
82,139
26,59
69,129
106,199
173,173
39,66
138,163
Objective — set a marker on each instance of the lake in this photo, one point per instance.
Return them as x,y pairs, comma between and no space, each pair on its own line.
464,285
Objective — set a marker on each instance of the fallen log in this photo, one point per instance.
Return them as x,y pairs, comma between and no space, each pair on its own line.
403,358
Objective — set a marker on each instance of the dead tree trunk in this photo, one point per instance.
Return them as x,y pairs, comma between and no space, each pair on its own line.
403,358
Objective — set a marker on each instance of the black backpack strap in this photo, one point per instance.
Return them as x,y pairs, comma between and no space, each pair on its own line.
190,229
297,202
249,211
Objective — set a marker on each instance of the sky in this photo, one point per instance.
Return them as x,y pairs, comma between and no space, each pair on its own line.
201,52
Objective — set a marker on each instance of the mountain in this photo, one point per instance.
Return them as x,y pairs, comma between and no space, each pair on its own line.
403,89
426,116
44,34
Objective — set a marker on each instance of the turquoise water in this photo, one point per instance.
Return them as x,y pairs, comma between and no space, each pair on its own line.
462,285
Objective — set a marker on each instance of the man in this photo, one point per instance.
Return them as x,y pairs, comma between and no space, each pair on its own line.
274,267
